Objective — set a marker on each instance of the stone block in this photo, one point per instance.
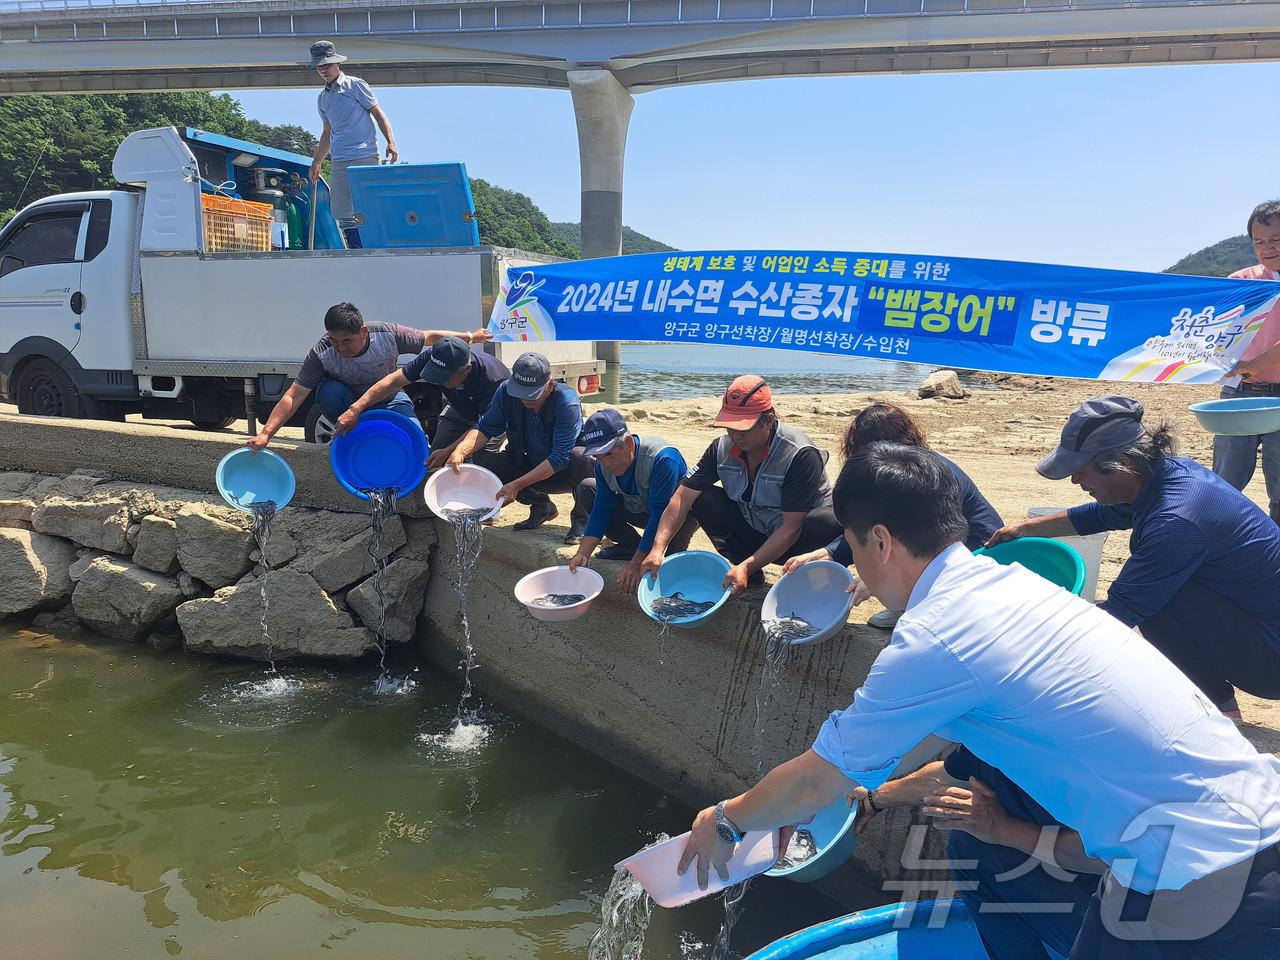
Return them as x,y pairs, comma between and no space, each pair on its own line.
102,523
336,566
303,621
211,548
404,586
157,545
942,383
120,599
33,571
16,513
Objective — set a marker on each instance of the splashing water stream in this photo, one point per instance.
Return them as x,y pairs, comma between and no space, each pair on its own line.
263,512
624,919
673,608
383,505
779,635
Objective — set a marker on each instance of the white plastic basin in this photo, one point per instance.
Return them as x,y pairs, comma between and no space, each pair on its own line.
471,488
559,580
655,868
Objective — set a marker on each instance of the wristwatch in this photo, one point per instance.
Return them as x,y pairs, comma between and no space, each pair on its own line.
726,829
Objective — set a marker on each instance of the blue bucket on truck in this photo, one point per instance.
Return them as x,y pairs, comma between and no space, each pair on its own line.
385,450
245,478
697,575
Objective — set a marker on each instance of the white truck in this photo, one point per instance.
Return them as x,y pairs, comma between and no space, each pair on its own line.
112,302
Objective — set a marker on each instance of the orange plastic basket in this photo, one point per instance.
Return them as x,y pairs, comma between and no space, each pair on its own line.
232,225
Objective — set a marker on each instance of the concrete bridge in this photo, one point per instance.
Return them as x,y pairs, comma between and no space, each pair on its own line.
602,51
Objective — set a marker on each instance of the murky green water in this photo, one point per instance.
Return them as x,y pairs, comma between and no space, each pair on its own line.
156,805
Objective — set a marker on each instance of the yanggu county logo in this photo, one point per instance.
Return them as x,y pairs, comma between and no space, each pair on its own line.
521,291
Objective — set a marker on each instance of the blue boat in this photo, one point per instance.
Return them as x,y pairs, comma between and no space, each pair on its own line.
897,930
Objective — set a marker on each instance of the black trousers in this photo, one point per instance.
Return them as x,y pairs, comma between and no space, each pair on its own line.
509,465
623,525
735,539
1216,644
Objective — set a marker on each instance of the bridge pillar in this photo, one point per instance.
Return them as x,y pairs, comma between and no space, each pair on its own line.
602,107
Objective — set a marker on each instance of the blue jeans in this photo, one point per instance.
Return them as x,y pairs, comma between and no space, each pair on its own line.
1235,458
333,397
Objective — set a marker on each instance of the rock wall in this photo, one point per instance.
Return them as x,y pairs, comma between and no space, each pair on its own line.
143,562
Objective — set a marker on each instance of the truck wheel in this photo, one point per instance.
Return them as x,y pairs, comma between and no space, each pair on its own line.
319,428
214,424
46,390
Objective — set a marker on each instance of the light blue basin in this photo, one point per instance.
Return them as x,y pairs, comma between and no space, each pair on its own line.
832,832
696,575
245,478
1239,416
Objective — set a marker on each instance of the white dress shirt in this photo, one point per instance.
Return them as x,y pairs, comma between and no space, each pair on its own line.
1078,710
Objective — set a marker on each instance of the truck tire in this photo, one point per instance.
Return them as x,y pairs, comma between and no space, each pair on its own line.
319,428
44,389
214,424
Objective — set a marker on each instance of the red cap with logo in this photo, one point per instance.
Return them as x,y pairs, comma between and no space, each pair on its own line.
746,399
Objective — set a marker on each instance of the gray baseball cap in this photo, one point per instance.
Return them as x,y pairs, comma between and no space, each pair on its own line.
529,375
322,52
1098,425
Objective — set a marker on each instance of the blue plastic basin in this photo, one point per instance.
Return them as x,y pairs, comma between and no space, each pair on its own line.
1239,416
385,450
1054,560
696,575
832,832
245,478
885,933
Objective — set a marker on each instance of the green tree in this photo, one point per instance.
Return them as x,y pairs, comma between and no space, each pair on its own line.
510,219
1223,258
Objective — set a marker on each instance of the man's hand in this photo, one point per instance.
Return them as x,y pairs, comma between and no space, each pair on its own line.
630,574
456,459
705,846
800,560
392,153
859,797
736,579
257,444
976,811
652,562
1243,368
438,458
1008,532
580,559
346,421
314,173
480,336
507,493
861,593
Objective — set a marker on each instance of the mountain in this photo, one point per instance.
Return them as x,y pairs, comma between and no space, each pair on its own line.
1223,258
632,242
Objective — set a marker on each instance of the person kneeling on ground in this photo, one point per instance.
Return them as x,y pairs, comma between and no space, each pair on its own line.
1004,850
542,419
1092,722
468,381
889,423
635,479
773,500
1202,582
349,359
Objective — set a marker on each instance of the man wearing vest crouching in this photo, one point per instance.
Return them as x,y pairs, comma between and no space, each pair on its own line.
773,500
542,419
636,477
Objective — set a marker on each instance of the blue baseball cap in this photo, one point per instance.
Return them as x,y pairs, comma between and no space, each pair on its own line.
602,430
529,375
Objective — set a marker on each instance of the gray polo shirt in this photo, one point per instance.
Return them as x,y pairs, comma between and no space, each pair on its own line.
346,103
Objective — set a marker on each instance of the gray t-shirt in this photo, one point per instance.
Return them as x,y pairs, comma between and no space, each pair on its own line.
387,341
346,103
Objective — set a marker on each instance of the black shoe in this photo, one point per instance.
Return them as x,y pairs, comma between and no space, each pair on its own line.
539,513
616,552
574,536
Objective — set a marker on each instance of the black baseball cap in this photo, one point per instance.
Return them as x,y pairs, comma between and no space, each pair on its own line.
602,430
1099,425
529,375
446,357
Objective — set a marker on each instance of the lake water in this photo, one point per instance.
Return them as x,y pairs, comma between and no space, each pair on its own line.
673,371
163,805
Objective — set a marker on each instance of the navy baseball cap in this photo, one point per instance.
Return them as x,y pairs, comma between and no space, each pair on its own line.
1099,425
529,375
602,430
447,356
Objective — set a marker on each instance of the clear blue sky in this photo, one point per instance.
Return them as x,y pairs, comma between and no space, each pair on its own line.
1129,168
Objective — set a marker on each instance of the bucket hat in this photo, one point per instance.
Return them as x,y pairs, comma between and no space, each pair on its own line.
322,52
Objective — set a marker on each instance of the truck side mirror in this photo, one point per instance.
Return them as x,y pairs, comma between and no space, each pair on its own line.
8,264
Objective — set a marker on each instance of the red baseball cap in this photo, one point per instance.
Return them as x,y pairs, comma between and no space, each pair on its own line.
744,402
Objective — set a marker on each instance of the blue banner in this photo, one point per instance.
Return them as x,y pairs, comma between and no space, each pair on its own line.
946,311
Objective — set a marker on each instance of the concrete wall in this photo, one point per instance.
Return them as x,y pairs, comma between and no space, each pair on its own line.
683,718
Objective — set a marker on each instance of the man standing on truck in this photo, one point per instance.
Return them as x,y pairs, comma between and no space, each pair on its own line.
467,380
349,111
349,359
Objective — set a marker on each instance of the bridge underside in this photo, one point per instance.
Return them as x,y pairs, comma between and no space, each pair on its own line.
185,46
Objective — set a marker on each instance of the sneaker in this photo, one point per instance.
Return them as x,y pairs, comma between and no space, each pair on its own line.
1231,709
574,536
885,619
616,552
539,513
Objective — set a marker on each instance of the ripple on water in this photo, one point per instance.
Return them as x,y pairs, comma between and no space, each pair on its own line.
260,702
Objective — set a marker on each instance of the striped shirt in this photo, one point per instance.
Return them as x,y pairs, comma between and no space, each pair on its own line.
387,341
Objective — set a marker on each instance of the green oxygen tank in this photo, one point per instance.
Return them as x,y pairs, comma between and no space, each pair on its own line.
297,225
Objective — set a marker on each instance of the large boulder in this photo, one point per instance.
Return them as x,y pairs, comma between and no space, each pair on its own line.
302,619
404,586
211,547
120,599
33,571
157,545
942,383
102,523
337,565
16,512
13,482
